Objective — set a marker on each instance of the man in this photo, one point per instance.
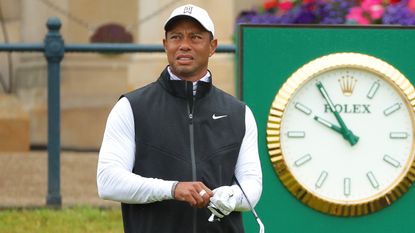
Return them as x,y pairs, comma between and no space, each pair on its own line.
173,150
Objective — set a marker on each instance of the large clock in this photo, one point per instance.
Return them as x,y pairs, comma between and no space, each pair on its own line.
340,134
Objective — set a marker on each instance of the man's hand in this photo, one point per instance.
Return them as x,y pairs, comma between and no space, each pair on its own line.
195,193
223,201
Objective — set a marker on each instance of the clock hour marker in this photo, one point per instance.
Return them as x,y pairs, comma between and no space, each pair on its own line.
392,109
391,161
321,179
346,186
303,108
372,180
398,135
373,90
296,134
304,159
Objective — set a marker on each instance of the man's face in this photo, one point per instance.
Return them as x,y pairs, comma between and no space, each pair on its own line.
188,47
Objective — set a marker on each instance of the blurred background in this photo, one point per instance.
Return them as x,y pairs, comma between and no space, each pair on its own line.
91,83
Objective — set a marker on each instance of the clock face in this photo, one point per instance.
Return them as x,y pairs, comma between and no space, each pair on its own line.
340,134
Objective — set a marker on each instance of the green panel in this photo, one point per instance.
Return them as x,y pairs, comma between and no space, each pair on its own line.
267,57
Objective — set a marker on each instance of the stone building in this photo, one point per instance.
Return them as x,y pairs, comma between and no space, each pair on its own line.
90,83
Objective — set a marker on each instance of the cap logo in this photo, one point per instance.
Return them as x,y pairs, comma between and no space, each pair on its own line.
188,10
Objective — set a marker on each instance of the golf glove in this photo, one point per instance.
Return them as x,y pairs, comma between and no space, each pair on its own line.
222,202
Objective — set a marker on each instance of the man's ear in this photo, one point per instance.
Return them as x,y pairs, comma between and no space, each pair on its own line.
164,44
213,46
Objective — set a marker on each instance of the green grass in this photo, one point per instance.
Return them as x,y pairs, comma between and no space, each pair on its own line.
81,219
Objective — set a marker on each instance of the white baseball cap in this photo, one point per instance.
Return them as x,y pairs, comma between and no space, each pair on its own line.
197,13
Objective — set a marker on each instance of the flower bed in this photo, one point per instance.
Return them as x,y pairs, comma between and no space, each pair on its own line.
363,12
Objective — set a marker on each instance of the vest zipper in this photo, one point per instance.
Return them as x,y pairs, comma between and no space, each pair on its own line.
190,110
192,143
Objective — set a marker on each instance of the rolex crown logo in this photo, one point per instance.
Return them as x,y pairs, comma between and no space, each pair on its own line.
347,84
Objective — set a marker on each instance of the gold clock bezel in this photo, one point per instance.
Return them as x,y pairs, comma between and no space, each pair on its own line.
290,87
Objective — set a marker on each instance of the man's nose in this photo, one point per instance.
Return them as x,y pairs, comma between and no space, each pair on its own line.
185,44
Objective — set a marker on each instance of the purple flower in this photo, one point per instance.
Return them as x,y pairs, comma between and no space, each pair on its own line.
305,15
326,12
399,14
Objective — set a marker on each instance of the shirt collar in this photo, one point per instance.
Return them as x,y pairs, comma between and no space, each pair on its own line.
205,78
181,88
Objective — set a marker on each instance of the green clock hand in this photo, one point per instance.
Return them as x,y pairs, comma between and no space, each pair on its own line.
328,124
347,134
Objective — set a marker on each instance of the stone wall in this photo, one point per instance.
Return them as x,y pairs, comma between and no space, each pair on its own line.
92,83
14,125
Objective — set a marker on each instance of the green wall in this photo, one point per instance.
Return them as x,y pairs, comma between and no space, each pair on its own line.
267,56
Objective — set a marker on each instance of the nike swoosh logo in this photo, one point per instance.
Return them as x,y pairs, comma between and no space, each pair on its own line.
214,117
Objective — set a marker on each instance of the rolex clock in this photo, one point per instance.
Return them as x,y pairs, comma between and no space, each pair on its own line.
340,134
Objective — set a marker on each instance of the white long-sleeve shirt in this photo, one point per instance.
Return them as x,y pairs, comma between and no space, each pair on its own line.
116,181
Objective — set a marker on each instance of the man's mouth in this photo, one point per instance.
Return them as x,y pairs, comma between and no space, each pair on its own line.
184,59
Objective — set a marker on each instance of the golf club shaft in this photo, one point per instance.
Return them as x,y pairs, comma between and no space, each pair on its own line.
258,220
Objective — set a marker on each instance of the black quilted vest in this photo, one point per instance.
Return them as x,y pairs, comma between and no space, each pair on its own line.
184,138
